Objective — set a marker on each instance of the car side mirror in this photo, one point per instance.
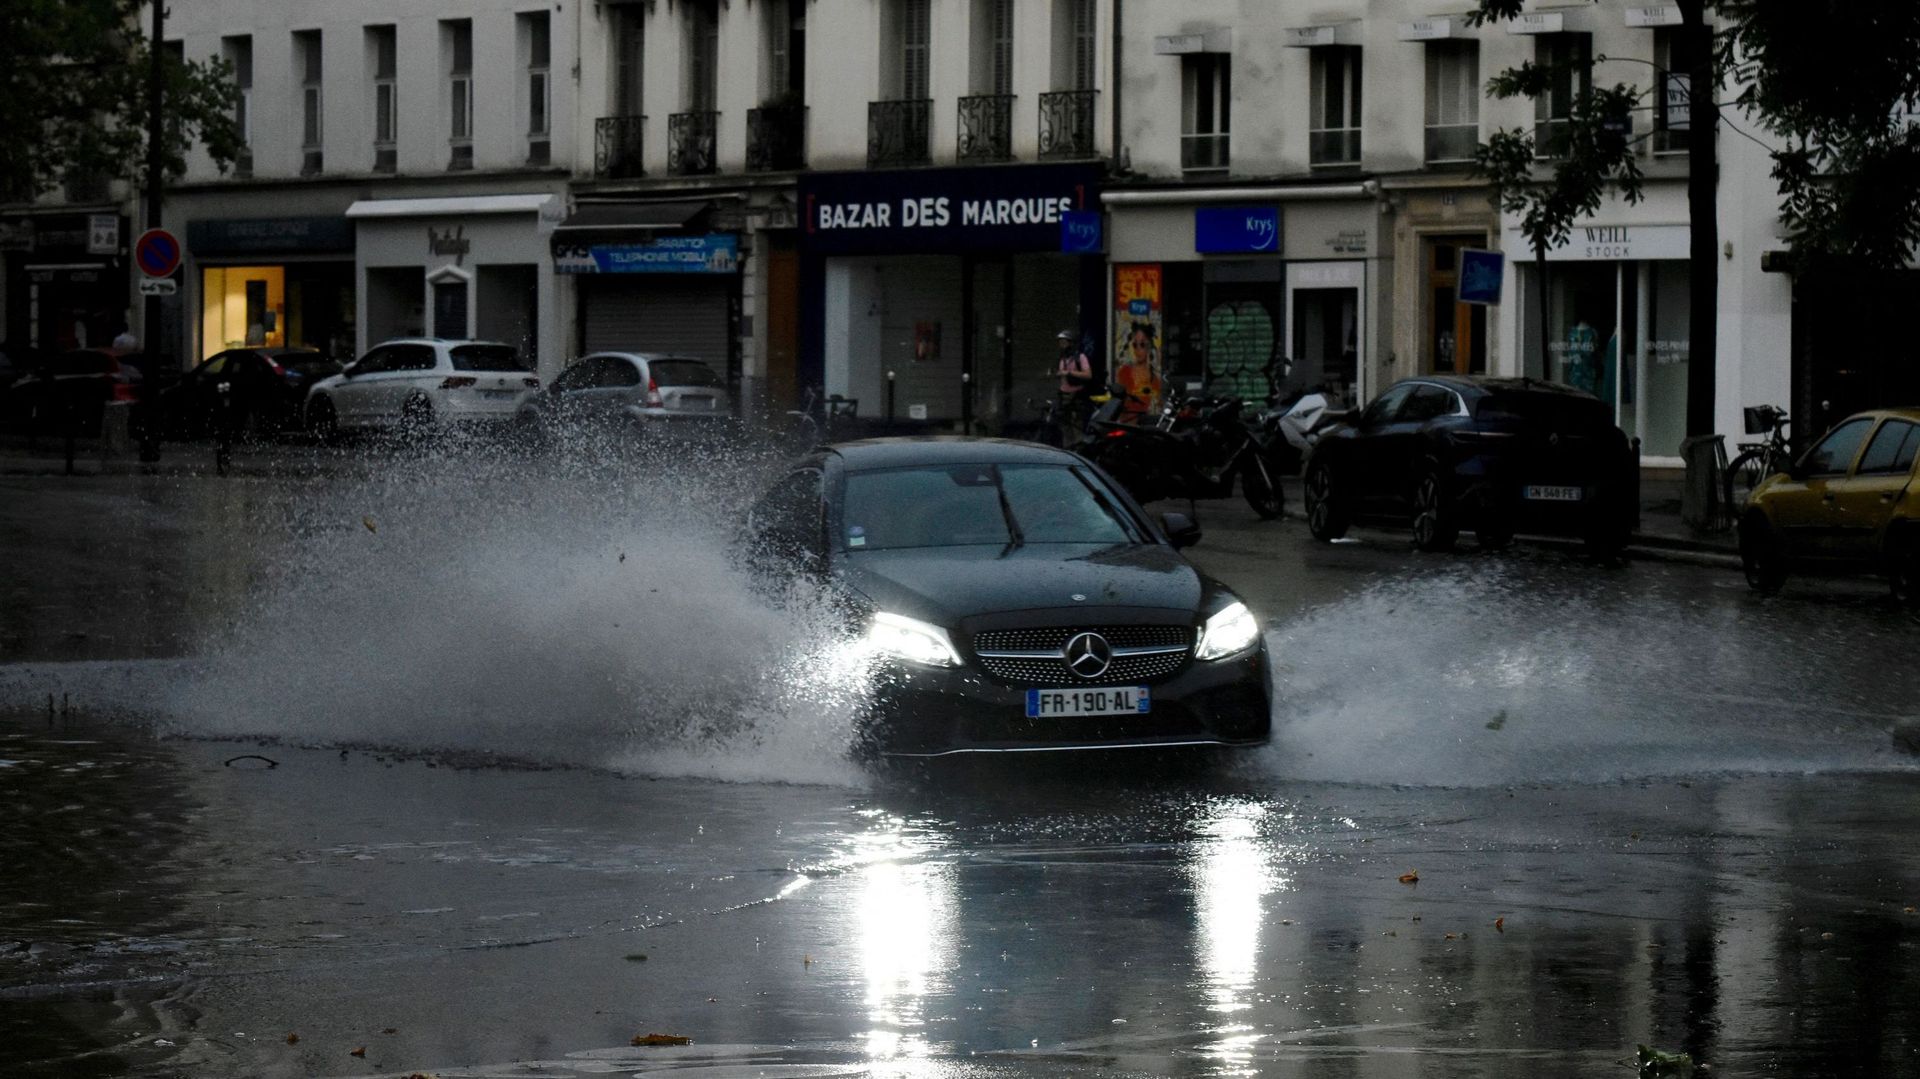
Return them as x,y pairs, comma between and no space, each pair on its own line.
1180,529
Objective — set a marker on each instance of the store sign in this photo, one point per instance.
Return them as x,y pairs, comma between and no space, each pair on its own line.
1426,30
1222,230
103,234
55,236
935,211
1481,275
451,242
1538,23
1614,243
1138,321
1309,37
1081,232
269,235
714,253
1655,15
16,235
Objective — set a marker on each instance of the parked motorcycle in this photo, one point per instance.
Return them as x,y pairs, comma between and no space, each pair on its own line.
1196,448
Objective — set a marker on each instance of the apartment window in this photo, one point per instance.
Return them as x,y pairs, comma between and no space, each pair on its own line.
1673,56
1334,135
1083,44
239,53
993,55
1206,105
786,51
629,49
912,37
703,55
1453,100
536,46
457,39
382,47
1568,59
306,58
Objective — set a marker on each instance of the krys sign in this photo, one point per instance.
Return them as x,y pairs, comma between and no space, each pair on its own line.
1014,208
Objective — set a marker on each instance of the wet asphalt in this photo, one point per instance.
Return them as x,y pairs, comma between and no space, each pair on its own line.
462,770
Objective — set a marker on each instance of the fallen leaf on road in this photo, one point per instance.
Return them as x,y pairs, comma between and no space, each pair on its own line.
371,527
661,1039
1452,936
1909,910
391,1030
623,556
1498,721
806,960
293,1039
637,957
360,1052
1410,878
1826,936
1499,925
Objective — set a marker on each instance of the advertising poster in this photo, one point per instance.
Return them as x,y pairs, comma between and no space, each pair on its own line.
1137,321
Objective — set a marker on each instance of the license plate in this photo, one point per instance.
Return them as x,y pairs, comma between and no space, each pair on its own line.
705,404
1112,701
1555,494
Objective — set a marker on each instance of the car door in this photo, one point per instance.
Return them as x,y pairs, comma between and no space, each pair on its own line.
353,396
191,405
1376,477
414,368
1804,505
1865,500
620,384
566,397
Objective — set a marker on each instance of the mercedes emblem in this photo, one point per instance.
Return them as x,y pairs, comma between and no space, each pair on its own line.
1088,655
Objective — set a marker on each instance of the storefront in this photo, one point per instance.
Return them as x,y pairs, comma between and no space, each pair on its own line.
274,281
1617,325
1247,277
474,267
66,279
654,277
935,295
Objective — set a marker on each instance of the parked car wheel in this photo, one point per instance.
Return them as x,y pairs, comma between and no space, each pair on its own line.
1435,523
322,420
1761,558
1327,518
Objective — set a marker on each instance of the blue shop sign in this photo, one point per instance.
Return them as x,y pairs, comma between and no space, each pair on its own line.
1082,232
1237,230
714,253
269,235
1481,274
998,209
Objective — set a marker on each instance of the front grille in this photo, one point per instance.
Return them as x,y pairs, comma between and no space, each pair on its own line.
1052,670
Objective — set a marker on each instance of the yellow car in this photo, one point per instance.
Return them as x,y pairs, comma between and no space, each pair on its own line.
1849,503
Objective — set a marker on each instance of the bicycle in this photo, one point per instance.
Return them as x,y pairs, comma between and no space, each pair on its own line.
1756,460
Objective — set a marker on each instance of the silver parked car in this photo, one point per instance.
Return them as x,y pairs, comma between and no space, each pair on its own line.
634,389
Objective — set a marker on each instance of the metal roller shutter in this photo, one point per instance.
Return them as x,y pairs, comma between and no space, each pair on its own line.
659,314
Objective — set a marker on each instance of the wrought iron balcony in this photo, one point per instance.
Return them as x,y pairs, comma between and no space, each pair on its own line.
1066,124
897,133
777,138
690,142
986,128
617,143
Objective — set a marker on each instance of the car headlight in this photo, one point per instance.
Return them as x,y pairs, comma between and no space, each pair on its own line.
1231,631
912,640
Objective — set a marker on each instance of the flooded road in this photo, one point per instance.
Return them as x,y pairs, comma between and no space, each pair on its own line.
489,781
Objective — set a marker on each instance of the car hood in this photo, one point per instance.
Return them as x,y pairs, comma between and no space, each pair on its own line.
947,585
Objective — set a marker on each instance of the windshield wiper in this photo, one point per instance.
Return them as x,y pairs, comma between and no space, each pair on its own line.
1015,538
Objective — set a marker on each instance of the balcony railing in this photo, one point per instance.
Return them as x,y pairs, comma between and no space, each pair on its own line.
690,142
1334,146
777,138
617,142
1204,152
1452,143
897,133
986,128
1066,124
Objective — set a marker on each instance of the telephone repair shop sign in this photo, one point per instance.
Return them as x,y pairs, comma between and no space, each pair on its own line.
1008,208
714,253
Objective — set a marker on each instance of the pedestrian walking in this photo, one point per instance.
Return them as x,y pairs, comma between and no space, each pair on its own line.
1076,384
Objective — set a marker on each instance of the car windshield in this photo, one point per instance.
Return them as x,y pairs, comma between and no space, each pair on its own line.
962,506
682,373
486,358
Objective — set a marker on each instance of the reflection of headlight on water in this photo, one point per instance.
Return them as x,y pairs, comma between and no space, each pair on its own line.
1232,630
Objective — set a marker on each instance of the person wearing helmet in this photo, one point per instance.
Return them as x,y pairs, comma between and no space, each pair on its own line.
1076,384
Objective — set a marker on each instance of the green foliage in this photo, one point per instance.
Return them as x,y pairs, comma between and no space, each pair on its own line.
1595,157
73,96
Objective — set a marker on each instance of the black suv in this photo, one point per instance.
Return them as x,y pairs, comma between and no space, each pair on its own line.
1494,455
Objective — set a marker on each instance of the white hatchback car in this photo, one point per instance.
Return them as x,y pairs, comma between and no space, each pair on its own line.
653,392
418,382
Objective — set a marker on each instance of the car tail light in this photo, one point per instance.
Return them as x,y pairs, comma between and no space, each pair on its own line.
457,383
530,383
653,394
1118,434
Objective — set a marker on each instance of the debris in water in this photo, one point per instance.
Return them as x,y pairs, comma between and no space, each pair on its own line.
1499,925
623,556
360,1052
1655,1064
391,1030
1451,936
293,1039
371,527
1411,877
270,762
637,957
1498,721
661,1039
806,960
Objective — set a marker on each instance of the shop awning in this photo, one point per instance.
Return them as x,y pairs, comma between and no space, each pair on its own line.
451,207
616,222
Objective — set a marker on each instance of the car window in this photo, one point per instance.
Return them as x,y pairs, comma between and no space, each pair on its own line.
580,374
786,520
1883,453
619,373
486,358
414,358
1384,407
1427,403
376,360
682,373
960,506
1836,451
212,367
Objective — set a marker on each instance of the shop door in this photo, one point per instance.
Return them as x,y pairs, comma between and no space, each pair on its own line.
783,324
1456,333
661,315
450,309
1326,343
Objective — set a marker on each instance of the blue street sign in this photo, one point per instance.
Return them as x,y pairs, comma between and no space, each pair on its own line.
1481,275
1237,230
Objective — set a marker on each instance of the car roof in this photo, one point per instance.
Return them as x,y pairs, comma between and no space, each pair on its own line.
646,356
1481,385
449,341
945,450
1905,412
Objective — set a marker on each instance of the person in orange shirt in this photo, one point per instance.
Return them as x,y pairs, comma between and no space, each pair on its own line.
1139,376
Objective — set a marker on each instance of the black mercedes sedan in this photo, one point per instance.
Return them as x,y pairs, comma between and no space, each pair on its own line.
1494,455
1011,597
